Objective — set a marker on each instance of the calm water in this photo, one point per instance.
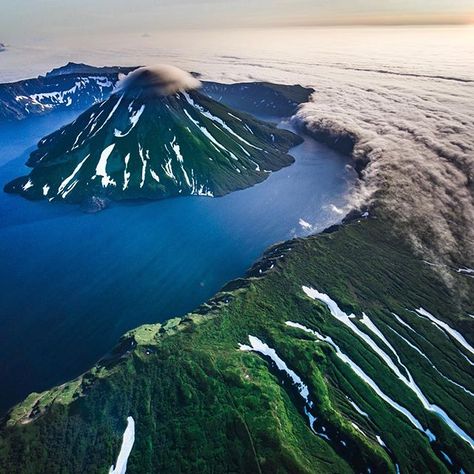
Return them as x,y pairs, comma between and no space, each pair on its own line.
72,283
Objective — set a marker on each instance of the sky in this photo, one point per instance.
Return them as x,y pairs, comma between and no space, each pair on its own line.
26,20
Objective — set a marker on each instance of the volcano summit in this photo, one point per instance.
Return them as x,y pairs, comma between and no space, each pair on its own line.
157,136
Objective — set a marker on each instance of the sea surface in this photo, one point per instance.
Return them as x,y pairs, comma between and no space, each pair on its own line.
73,283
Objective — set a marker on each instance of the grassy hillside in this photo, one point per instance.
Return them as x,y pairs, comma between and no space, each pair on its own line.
202,405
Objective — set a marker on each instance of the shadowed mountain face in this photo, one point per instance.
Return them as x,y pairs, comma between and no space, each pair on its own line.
137,145
263,99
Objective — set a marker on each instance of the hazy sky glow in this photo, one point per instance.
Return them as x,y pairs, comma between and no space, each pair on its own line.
30,19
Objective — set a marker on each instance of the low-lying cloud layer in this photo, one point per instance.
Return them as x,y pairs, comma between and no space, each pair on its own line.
404,99
159,80
419,148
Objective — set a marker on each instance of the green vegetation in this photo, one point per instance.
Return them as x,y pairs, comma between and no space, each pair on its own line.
202,405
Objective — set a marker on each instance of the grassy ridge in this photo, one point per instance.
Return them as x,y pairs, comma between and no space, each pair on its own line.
201,405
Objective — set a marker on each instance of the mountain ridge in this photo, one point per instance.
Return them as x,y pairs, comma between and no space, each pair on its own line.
78,86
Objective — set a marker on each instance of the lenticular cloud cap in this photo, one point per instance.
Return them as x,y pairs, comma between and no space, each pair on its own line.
159,80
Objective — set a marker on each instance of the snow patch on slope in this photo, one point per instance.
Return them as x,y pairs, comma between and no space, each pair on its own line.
101,168
127,444
406,379
447,329
134,118
360,373
256,345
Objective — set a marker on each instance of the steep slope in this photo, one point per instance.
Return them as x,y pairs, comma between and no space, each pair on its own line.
270,376
151,146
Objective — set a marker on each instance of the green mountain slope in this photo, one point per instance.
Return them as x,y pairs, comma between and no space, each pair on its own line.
202,404
138,146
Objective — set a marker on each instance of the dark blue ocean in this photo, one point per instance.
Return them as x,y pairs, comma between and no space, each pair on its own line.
73,283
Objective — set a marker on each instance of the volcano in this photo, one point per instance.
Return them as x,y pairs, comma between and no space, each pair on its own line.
157,136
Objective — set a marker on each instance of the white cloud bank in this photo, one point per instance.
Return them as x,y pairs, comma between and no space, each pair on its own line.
417,137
